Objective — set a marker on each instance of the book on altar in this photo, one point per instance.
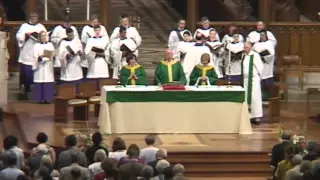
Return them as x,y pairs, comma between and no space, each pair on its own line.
97,50
47,53
71,51
264,53
175,85
128,45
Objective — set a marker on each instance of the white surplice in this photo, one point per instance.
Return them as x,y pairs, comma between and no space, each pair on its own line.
132,33
175,37
205,32
254,37
256,98
43,71
97,66
58,33
70,68
26,46
270,59
227,38
182,48
88,32
217,58
233,68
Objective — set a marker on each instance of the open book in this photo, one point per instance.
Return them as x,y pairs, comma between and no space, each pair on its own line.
97,50
128,45
70,51
264,53
47,53
34,36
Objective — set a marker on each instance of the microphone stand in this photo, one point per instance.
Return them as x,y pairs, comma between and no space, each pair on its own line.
229,68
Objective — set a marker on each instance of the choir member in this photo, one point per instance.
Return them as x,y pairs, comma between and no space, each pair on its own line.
252,68
233,60
88,32
97,56
27,38
169,70
229,37
205,28
254,36
176,36
266,49
184,45
70,52
133,73
43,69
203,74
119,49
217,50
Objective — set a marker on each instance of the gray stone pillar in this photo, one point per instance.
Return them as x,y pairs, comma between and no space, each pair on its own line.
4,58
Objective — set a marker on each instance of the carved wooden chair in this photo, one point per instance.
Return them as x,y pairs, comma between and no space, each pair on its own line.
272,102
88,91
65,98
291,65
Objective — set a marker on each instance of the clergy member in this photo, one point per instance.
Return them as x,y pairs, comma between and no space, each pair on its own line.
88,32
176,36
169,70
203,74
43,91
254,36
27,38
96,55
252,69
70,52
231,31
133,73
205,28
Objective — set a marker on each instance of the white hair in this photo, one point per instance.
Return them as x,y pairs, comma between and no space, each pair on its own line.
100,155
161,165
178,168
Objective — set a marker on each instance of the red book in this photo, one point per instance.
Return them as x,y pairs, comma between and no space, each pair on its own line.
173,87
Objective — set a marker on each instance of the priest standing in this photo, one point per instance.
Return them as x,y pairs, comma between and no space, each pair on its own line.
252,68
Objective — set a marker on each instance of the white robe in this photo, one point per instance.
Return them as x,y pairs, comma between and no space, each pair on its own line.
256,98
70,68
254,37
89,30
97,66
269,65
233,68
26,46
43,71
58,33
183,47
175,39
217,60
205,32
132,32
226,39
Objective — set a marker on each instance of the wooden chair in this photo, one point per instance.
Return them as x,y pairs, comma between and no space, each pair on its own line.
291,65
272,102
88,91
65,98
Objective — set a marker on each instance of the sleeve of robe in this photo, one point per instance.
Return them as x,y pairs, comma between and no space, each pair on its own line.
124,75
21,35
84,36
36,54
104,33
89,54
137,38
272,38
182,76
270,58
55,39
213,77
157,74
173,41
258,64
115,34
194,76
115,52
142,76
75,32
62,55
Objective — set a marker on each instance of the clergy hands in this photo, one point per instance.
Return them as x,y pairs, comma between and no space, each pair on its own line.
133,76
204,78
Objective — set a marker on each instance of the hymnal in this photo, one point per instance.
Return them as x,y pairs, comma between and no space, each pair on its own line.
128,45
97,50
264,53
71,51
47,53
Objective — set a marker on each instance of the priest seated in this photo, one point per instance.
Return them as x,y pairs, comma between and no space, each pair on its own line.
169,70
203,74
133,73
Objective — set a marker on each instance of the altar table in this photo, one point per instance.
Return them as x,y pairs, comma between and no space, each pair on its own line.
149,109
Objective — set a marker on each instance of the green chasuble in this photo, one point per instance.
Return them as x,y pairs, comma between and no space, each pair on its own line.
199,71
169,71
138,70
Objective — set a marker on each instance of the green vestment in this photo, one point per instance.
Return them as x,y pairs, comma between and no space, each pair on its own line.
199,71
138,70
169,71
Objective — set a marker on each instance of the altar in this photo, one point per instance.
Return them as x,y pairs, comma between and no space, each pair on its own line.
150,109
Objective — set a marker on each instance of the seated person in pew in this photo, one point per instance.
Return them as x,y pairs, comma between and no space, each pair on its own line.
133,73
97,56
169,70
203,74
43,91
70,52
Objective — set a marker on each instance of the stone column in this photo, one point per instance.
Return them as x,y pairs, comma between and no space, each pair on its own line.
4,58
30,6
104,10
192,16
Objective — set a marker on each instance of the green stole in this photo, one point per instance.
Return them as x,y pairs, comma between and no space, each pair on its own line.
249,89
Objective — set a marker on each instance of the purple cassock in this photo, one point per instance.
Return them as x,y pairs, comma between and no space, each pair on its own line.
268,81
43,92
235,78
26,76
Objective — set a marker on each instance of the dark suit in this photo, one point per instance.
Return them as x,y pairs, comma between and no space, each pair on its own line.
131,170
92,150
277,153
65,173
64,159
153,164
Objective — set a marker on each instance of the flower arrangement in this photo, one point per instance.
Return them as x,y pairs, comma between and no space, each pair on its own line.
84,141
298,139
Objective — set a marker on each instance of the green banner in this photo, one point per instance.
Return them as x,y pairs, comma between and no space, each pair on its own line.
175,96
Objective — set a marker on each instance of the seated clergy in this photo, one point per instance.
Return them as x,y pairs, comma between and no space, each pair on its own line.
203,74
43,70
169,70
184,45
177,36
119,49
70,52
233,60
205,28
254,36
133,73
97,56
231,31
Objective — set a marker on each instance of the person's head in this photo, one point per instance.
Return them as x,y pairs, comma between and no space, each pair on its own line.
161,165
109,167
286,136
133,151
297,159
42,138
263,36
232,28
161,154
305,166
312,146
168,173
260,25
290,151
33,18
178,169
43,171
10,142
97,138
122,32
181,24
71,141
94,20
70,33
205,22
187,36
200,37
213,34
150,139
97,30
205,59
131,59
43,36
147,172
66,23
100,155
236,37
168,54
125,21
118,144
12,159
247,47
